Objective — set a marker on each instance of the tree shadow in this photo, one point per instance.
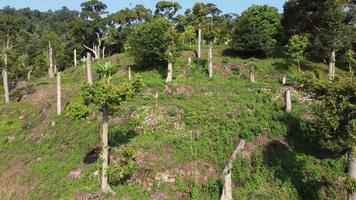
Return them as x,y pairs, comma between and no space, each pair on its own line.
295,159
120,137
288,166
160,67
92,155
283,65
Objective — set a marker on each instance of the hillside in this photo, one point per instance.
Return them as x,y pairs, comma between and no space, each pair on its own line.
172,141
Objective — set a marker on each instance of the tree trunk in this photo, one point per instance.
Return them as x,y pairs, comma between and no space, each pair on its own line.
130,78
210,65
59,102
29,75
51,74
75,58
55,69
352,170
227,190
299,65
5,80
332,65
103,56
199,40
190,62
288,100
284,80
252,74
105,156
169,73
90,80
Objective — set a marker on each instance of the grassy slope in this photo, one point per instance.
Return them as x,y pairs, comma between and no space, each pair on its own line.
185,137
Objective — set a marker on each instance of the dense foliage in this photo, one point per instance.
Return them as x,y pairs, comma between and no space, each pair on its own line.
335,126
149,45
257,31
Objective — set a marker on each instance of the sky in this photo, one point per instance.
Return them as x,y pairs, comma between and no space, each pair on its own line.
227,6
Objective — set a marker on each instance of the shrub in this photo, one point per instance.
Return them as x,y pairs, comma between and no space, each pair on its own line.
125,168
226,60
236,70
76,110
351,184
200,62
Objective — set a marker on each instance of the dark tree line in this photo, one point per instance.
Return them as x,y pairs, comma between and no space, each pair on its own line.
329,26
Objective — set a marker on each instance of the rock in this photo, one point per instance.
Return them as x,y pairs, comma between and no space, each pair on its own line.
74,174
159,196
96,173
165,177
125,198
21,117
209,94
11,138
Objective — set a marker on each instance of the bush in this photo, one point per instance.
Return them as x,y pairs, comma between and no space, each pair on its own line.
150,43
200,62
351,184
127,166
236,70
76,110
226,60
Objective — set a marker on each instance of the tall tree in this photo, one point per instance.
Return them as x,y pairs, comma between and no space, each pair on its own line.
325,23
6,47
257,30
92,12
108,97
167,9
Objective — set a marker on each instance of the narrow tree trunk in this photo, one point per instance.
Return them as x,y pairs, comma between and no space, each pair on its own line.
105,156
130,78
59,102
55,68
252,74
29,75
103,56
90,80
199,41
75,58
169,73
299,65
227,190
352,170
288,100
5,80
284,80
51,74
210,65
190,62
332,65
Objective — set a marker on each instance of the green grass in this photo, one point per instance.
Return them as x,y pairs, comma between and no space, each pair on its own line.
194,120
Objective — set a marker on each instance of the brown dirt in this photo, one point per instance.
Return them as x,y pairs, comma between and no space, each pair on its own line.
86,196
224,69
258,143
157,166
179,89
11,185
44,97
